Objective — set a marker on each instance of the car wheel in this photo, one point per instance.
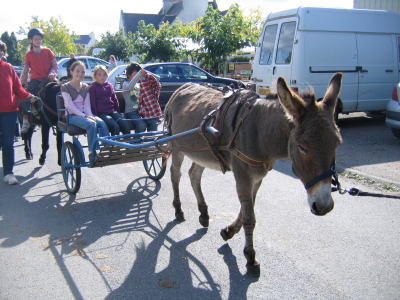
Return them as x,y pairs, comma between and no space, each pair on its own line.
396,132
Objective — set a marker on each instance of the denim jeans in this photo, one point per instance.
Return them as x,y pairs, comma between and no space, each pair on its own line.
151,124
7,131
91,128
115,123
136,119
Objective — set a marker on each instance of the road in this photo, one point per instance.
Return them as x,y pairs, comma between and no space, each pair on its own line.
117,238
369,148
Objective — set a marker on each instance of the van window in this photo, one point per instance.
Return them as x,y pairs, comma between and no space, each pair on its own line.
285,43
268,45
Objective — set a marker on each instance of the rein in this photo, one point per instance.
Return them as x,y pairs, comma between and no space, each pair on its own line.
338,188
30,108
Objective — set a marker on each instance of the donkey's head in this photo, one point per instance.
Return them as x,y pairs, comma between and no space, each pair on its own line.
313,140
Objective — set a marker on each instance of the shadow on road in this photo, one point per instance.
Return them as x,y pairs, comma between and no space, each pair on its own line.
67,227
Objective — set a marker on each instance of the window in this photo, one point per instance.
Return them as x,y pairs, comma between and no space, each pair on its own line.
268,45
166,72
285,43
192,73
84,61
93,63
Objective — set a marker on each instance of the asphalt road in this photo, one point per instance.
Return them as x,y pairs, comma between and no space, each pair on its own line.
117,238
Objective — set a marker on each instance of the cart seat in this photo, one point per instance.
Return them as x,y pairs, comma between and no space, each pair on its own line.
62,122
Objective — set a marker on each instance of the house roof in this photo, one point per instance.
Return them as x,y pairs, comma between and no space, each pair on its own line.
83,40
131,21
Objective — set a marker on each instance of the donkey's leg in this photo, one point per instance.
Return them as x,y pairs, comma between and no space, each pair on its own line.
229,231
195,174
45,143
177,160
249,222
27,137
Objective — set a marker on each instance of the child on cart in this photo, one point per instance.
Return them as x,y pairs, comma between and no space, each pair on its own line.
141,94
104,102
77,102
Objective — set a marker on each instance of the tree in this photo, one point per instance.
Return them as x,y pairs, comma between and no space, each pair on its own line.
56,35
118,44
12,48
162,44
220,36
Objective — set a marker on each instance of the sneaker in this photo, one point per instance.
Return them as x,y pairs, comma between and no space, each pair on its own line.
16,139
24,128
10,179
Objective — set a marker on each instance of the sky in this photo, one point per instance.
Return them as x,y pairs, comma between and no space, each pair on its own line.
84,17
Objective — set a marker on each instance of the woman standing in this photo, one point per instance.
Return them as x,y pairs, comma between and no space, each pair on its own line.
113,63
10,88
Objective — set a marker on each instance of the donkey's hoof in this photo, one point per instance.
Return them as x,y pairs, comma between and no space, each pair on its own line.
226,234
41,161
204,221
180,217
253,270
29,156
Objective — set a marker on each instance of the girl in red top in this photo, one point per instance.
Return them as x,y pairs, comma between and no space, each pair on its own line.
40,64
10,88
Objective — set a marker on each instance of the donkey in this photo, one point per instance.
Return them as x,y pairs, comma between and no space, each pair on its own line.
294,126
47,93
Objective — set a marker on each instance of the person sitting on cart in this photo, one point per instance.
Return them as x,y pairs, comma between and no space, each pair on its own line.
149,94
131,91
104,102
77,102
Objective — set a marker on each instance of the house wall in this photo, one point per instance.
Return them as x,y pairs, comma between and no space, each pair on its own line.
391,5
192,10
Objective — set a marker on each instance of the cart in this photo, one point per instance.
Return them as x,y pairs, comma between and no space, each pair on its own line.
120,149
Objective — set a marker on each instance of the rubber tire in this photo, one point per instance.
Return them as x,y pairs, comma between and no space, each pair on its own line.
72,176
155,168
396,132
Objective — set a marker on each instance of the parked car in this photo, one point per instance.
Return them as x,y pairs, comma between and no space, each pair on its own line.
89,61
18,70
175,74
393,112
117,71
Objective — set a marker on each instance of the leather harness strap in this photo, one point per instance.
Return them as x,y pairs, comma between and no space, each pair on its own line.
216,119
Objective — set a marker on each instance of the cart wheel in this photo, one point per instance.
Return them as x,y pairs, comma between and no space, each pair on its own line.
155,168
72,175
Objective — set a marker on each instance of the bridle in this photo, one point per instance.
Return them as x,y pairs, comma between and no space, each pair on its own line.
337,186
332,172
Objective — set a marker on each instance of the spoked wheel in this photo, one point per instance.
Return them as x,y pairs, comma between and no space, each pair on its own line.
155,168
72,175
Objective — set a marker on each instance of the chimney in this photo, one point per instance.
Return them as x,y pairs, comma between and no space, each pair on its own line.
167,4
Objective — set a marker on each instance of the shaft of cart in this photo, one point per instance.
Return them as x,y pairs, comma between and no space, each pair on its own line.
145,140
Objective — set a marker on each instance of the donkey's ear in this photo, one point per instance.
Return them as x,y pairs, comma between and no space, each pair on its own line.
293,104
332,93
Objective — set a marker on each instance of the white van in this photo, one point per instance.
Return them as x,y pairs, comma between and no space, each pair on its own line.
307,45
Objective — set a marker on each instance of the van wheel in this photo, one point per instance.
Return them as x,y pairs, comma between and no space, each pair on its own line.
336,113
396,132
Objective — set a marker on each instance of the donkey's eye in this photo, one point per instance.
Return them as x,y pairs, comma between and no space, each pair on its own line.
302,150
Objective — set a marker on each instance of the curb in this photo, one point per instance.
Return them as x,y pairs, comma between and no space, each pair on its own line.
377,179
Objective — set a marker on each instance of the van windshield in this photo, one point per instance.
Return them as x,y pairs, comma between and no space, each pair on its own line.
268,45
285,44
